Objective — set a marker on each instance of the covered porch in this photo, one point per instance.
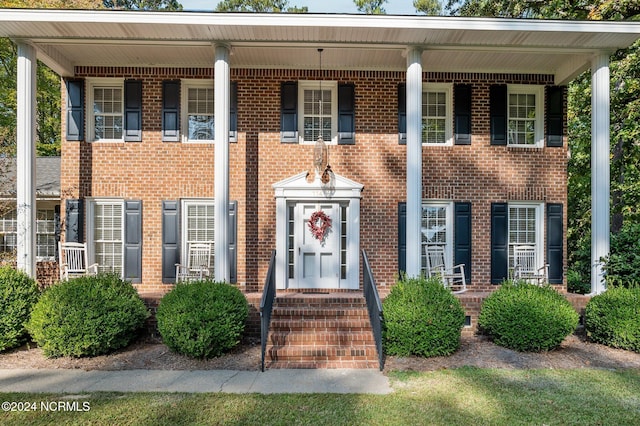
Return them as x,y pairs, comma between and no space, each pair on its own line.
67,40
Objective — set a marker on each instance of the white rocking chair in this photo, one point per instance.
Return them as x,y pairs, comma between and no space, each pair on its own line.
73,261
525,266
198,263
452,278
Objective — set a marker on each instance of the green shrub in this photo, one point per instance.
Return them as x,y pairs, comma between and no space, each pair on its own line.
202,319
622,266
422,318
526,317
613,318
87,316
18,294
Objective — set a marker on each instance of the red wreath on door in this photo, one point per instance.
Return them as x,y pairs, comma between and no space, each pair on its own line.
319,225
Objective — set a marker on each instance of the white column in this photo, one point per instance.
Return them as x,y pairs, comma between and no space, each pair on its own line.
600,174
221,110
414,161
26,159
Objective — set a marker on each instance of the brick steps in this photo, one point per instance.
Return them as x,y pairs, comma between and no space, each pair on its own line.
321,331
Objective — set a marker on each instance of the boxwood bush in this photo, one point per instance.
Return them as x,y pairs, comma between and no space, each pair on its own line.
613,318
422,318
87,316
202,319
18,294
527,318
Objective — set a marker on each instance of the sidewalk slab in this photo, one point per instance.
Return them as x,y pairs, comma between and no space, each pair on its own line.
225,381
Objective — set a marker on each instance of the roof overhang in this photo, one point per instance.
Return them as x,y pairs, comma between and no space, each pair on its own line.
65,39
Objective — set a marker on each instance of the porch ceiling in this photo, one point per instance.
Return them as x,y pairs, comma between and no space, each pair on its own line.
68,38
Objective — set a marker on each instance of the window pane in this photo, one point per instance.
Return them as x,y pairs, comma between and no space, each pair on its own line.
522,228
316,119
200,117
434,229
200,225
107,234
434,117
107,110
522,119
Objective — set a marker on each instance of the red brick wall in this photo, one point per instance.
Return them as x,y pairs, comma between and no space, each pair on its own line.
154,170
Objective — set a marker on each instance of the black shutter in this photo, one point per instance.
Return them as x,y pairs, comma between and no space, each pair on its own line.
233,242
133,241
233,112
498,114
133,110
462,239
402,114
346,114
402,238
462,120
75,110
499,242
555,241
289,112
56,229
171,111
555,116
170,240
74,221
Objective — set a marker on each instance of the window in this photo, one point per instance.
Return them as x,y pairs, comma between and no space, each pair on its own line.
525,228
198,221
437,224
106,235
105,110
437,115
525,116
318,104
45,233
197,111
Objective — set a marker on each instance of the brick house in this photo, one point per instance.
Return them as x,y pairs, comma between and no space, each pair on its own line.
447,131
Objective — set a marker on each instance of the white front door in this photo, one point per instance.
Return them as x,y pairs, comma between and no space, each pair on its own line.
318,260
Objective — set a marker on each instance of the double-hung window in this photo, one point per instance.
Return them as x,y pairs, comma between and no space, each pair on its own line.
437,229
45,233
198,221
198,111
106,235
526,223
525,116
318,104
437,114
105,109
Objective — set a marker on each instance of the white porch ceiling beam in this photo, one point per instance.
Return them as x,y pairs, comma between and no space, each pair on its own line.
56,61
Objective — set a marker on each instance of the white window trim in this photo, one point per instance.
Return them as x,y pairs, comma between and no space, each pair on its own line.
4,221
448,205
448,89
315,85
185,203
90,126
540,226
185,85
92,202
538,91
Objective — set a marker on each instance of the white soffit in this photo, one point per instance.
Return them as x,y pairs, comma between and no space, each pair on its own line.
68,38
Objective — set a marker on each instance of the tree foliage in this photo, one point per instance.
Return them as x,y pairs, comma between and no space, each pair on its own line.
371,7
428,7
168,5
259,6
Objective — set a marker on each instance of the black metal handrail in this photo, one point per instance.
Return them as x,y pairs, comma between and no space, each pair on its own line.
374,306
266,306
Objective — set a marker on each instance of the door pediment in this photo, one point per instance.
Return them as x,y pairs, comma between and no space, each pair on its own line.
297,187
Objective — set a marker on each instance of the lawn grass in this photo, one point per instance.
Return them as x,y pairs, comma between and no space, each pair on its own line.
465,396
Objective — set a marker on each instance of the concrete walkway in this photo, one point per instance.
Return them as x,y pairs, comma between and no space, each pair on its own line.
227,381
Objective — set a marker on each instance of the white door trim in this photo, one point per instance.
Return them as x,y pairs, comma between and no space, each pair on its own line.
341,190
